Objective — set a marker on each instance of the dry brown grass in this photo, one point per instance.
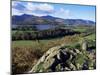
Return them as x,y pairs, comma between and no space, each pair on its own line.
24,57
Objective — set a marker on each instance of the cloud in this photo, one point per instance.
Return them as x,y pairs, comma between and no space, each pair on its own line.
33,13
62,13
17,8
44,9
14,4
16,12
32,8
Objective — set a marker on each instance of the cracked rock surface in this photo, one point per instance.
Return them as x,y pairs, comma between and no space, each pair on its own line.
61,58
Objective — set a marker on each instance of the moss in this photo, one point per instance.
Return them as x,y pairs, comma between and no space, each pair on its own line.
80,59
40,68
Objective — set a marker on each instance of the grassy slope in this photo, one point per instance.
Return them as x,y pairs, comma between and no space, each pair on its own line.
24,51
91,37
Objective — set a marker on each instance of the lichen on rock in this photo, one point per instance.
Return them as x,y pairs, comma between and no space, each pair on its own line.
61,58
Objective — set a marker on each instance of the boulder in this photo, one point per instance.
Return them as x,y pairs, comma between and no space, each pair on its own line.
50,60
61,58
84,45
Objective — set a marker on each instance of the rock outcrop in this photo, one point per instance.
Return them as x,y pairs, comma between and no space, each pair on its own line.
61,58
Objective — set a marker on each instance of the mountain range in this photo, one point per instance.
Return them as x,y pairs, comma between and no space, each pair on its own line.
26,19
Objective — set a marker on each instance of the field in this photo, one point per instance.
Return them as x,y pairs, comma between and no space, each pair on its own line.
27,52
91,37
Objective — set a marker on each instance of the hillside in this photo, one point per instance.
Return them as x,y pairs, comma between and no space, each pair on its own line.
26,19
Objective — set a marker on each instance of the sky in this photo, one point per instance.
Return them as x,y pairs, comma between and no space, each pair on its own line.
65,11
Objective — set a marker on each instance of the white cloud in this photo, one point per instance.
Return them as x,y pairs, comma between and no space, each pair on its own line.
62,13
39,10
15,3
46,8
33,13
36,9
16,12
30,6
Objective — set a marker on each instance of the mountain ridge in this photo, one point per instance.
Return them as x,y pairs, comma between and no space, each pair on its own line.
27,19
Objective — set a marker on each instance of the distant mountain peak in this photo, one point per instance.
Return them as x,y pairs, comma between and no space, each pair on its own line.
26,15
31,19
47,16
